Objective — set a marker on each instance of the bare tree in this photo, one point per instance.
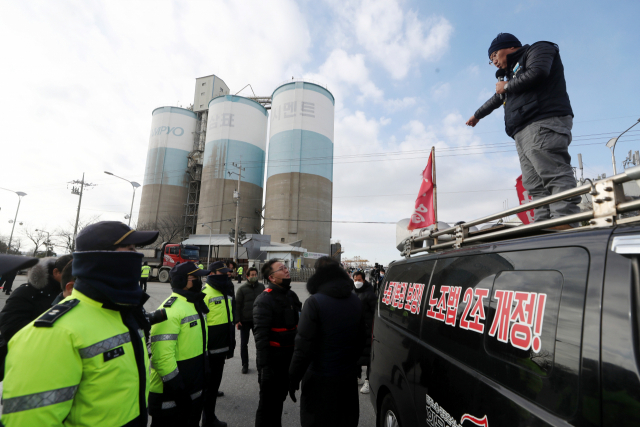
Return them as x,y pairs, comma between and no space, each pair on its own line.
37,237
64,235
15,245
169,227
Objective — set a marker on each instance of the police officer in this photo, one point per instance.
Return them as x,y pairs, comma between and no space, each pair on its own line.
275,321
222,338
240,271
179,352
84,362
200,266
144,275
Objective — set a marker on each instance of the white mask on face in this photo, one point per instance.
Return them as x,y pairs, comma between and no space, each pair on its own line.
358,284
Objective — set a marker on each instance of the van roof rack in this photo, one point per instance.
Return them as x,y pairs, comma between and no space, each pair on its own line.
608,201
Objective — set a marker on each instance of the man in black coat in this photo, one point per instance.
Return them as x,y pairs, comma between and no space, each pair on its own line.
275,321
364,291
245,297
328,345
33,298
538,115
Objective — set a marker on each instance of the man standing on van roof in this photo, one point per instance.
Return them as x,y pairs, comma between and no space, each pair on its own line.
538,115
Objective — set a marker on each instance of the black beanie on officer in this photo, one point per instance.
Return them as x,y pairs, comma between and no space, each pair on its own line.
503,41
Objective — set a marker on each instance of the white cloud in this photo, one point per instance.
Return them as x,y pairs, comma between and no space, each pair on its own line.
394,105
397,39
342,71
81,79
441,90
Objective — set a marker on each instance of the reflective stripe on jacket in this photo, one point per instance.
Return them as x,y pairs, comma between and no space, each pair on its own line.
219,320
177,346
146,270
80,371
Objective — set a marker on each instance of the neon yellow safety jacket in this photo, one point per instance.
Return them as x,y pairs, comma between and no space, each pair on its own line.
200,266
219,321
240,270
75,366
146,270
178,347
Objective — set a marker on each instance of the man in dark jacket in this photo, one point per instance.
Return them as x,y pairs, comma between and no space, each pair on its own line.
33,298
275,321
364,291
329,342
538,115
245,297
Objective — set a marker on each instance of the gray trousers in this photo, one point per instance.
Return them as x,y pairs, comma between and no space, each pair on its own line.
543,149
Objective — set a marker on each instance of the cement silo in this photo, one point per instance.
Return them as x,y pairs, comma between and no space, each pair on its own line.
300,166
236,133
164,190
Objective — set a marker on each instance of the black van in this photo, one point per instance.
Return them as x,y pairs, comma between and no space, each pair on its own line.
536,331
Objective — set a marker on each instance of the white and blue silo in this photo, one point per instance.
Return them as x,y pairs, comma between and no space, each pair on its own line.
298,203
165,185
236,133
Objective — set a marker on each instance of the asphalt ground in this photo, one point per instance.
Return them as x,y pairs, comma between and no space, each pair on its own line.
240,401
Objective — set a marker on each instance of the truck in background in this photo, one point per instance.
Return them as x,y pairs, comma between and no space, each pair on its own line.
164,257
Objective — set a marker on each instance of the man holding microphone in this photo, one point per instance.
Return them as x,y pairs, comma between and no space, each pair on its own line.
538,116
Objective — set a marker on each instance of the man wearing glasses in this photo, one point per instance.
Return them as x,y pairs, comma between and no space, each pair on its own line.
538,115
275,322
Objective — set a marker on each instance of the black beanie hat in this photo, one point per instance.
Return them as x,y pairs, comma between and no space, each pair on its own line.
503,41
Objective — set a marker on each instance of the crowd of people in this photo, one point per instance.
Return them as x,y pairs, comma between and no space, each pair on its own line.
79,348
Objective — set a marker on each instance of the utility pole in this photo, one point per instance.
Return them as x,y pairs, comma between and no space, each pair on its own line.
236,197
78,192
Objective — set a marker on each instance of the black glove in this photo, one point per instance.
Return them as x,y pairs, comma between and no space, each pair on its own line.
293,387
175,389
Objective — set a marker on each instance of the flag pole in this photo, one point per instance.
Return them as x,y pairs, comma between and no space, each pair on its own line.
435,195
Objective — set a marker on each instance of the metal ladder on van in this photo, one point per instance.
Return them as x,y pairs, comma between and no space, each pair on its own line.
608,202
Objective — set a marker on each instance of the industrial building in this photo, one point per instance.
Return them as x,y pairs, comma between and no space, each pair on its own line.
202,159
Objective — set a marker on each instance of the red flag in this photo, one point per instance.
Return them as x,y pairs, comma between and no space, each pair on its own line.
523,196
424,215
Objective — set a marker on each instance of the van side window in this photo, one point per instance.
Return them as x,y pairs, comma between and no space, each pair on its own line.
524,307
455,307
401,295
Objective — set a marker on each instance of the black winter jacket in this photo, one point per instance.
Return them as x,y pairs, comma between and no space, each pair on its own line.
536,90
331,330
275,321
368,299
29,300
245,297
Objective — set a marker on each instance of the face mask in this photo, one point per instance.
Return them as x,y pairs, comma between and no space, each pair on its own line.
286,283
253,279
358,284
381,274
196,285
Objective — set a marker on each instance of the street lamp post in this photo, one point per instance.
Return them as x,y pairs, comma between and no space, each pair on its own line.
135,185
20,195
612,146
209,249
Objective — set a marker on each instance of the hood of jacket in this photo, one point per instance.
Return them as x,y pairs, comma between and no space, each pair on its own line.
38,275
330,280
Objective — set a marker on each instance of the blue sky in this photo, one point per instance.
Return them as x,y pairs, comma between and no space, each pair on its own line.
85,76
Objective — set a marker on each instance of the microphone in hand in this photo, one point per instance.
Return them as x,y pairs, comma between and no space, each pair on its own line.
500,75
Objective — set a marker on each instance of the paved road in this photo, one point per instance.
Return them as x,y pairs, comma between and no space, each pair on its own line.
239,404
